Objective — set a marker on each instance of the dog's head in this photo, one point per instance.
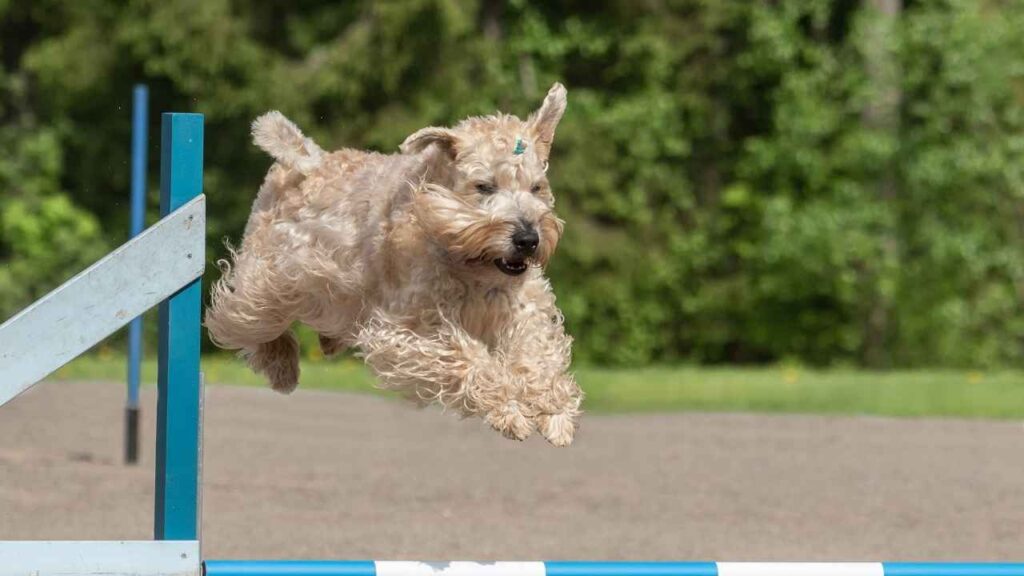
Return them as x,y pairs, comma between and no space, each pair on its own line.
487,201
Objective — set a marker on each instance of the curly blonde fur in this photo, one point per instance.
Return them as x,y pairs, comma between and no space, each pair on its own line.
429,262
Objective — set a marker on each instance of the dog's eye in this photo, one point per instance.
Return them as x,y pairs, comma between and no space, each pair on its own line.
485,188
535,188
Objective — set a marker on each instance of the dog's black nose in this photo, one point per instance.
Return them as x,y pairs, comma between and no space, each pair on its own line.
525,239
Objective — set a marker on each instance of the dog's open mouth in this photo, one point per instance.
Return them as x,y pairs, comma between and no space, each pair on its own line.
511,267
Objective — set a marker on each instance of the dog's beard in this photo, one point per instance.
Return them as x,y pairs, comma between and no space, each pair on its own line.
550,233
473,236
468,233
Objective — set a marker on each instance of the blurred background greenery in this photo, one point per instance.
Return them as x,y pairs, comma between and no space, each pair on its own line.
829,183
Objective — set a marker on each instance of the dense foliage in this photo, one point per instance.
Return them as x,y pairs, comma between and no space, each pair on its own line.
824,181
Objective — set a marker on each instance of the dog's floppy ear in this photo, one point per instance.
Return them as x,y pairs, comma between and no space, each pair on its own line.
544,121
419,140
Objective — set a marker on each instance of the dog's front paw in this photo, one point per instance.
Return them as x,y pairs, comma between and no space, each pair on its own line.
559,429
510,421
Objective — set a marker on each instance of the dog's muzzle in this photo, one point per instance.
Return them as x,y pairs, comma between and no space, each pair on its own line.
524,244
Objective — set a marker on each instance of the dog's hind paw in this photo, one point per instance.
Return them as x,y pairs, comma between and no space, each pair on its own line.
284,380
278,360
331,346
509,420
557,428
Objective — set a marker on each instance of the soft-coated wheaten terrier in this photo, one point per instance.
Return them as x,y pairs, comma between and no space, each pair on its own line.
429,262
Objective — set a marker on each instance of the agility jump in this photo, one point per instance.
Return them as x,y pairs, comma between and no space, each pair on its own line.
163,266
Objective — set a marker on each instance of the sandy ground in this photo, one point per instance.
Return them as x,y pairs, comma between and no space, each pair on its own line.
322,475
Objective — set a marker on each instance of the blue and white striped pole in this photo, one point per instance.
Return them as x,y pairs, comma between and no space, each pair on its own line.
404,568
140,113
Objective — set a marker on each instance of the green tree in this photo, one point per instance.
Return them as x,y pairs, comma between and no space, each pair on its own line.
833,182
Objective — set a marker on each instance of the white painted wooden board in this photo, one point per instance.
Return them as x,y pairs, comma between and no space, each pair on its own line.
103,298
408,568
800,569
114,558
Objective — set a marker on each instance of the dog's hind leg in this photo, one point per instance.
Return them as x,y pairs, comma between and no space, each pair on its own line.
331,346
278,360
251,311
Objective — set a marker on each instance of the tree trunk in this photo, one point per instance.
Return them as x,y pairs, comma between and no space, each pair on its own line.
882,114
491,12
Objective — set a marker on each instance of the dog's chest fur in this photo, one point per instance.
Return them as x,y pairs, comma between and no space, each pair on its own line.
486,312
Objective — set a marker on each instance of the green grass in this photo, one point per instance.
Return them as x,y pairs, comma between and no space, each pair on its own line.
664,389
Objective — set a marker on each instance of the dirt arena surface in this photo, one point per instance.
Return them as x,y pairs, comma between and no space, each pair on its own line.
326,475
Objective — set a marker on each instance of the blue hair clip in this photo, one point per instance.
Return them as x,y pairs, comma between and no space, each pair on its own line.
520,147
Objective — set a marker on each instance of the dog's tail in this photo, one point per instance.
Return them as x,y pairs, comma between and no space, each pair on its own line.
283,140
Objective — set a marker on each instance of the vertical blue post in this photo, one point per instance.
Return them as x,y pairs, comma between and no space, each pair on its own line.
140,113
177,443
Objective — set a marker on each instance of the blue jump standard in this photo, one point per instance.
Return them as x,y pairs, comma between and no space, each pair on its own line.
176,510
140,113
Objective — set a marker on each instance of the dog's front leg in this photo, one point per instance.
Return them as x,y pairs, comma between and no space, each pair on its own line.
537,351
442,363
